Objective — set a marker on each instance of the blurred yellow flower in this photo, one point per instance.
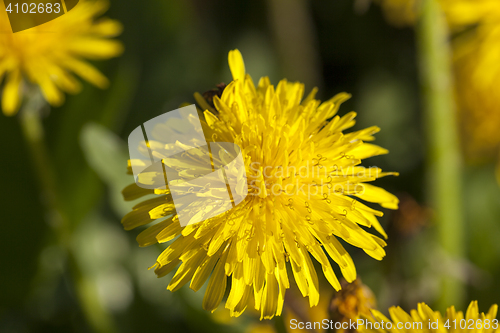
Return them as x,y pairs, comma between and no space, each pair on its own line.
477,70
476,47
425,320
48,55
460,13
304,178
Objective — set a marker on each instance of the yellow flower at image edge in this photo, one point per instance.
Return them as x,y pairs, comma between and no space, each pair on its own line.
425,320
477,71
304,185
48,55
475,29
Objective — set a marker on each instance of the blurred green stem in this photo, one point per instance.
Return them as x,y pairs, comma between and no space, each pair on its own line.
498,170
444,157
293,28
32,128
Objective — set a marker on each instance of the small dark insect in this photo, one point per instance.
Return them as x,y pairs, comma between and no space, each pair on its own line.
209,95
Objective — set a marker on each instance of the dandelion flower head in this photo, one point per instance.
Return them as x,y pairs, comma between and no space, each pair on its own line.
477,71
306,192
50,54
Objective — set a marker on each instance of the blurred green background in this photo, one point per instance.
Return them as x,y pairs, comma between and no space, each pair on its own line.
172,49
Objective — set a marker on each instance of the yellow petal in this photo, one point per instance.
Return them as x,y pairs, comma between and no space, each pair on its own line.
379,316
170,232
398,315
311,96
236,65
331,277
367,150
163,270
107,27
492,313
11,98
148,237
378,195
162,210
349,272
202,272
185,272
49,88
238,287
94,48
133,192
136,218
472,311
203,103
243,303
216,286
87,72
270,298
311,277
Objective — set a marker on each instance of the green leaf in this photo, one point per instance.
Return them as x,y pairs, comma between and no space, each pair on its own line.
107,155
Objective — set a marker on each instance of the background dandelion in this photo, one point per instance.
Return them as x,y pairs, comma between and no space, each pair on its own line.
173,48
474,30
424,319
50,62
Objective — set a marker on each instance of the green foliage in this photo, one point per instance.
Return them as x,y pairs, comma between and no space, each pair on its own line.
107,155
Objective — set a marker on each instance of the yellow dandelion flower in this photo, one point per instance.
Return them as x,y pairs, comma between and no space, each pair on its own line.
476,65
425,320
305,193
50,54
478,74
459,13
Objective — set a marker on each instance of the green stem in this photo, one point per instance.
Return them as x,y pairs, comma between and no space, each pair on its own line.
497,172
444,157
33,132
32,129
